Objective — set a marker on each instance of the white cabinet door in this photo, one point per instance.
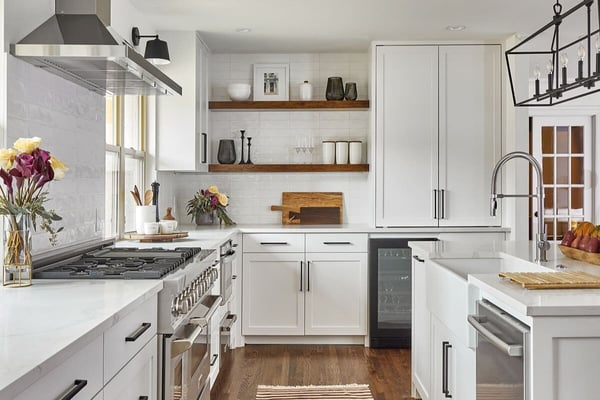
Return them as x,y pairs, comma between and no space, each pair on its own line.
273,297
443,362
470,132
406,135
181,140
138,379
421,330
336,294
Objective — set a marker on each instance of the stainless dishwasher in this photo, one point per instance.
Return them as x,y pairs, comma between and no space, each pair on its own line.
501,354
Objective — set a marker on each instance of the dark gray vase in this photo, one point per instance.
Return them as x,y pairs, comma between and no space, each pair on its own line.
226,153
351,93
206,218
335,88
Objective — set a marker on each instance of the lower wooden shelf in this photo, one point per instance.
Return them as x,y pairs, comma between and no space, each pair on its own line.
288,168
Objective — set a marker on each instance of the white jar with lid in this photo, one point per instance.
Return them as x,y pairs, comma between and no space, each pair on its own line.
328,152
341,152
355,152
306,91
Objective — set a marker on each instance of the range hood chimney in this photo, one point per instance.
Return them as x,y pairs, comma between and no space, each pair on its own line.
78,44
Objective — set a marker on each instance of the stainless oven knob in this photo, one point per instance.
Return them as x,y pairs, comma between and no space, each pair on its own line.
184,306
174,307
215,273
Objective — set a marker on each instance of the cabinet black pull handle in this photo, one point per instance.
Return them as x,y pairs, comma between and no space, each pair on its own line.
213,360
78,385
419,259
301,273
204,149
328,243
435,204
273,243
138,332
233,277
143,398
308,276
445,346
443,204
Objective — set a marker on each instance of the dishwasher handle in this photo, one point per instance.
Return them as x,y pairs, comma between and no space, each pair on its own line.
477,321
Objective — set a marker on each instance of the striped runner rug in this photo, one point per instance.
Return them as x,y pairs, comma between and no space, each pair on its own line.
331,392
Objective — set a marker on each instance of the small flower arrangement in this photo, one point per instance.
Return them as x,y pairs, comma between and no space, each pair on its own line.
25,171
208,201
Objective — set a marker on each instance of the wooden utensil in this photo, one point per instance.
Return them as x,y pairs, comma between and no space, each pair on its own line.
148,197
137,195
135,198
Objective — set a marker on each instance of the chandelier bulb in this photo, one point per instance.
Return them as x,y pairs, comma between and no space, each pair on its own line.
581,52
549,67
536,72
564,59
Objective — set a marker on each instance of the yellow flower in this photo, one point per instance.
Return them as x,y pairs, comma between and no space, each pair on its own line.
213,189
27,145
223,200
60,168
7,157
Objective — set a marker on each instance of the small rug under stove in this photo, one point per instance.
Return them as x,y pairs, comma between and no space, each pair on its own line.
331,392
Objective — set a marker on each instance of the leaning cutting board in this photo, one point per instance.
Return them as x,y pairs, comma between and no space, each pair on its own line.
293,202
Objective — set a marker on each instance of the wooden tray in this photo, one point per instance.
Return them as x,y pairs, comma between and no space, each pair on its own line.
576,254
159,237
553,280
293,202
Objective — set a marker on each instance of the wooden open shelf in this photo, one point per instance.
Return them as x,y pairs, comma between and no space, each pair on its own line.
288,168
289,105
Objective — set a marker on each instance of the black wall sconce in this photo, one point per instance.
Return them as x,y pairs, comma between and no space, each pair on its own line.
156,52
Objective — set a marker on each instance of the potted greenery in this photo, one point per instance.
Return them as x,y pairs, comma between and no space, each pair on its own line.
208,203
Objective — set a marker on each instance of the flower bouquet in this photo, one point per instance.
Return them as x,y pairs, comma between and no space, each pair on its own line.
25,170
209,201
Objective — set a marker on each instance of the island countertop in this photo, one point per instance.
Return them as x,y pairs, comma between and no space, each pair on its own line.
44,324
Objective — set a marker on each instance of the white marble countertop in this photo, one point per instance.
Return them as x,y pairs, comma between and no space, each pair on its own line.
44,324
547,302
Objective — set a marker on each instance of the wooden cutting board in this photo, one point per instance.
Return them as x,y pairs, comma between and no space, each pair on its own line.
553,280
159,237
292,202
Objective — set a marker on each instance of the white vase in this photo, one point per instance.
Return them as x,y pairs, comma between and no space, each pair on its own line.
306,91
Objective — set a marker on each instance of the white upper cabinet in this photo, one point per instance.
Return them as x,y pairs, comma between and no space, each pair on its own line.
182,140
470,132
438,132
406,139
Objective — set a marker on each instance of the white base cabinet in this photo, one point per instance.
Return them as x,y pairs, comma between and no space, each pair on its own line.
421,331
287,292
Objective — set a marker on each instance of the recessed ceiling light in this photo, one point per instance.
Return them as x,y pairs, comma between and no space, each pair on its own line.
243,30
454,28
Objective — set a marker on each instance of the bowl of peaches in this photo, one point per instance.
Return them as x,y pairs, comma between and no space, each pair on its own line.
582,243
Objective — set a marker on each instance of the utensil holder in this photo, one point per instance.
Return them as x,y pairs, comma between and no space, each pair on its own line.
144,214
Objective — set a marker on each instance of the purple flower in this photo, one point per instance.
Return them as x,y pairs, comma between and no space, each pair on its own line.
214,201
7,179
24,165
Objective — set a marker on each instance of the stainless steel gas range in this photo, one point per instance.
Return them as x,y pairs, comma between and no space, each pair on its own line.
185,305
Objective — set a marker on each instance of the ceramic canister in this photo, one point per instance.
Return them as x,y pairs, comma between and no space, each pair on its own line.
306,91
341,152
144,214
328,152
355,152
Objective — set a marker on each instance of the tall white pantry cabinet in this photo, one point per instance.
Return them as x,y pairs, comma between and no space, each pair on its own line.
438,133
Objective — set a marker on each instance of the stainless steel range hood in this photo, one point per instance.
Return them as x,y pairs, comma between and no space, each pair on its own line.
78,44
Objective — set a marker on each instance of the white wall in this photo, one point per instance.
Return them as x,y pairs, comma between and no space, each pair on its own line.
275,135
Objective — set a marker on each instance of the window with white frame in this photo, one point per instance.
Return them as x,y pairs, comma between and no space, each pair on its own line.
125,160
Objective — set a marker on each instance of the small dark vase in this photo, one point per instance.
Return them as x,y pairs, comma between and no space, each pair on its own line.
335,88
226,153
351,93
206,218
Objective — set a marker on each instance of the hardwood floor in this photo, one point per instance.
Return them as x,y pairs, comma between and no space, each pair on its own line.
387,371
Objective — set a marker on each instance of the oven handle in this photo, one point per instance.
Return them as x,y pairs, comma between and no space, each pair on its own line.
203,321
513,350
230,255
180,346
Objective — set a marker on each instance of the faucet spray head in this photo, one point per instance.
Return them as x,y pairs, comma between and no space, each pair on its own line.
493,205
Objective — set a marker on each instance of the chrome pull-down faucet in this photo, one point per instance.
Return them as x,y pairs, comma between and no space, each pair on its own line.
541,242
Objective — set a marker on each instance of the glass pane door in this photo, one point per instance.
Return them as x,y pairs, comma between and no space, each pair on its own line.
394,288
563,147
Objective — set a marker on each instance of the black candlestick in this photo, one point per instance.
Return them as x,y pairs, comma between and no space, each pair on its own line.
537,87
242,158
249,160
564,76
549,82
580,70
598,63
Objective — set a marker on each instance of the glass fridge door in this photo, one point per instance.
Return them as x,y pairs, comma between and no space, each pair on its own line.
393,288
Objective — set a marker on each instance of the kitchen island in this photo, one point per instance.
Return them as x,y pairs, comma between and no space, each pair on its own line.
562,343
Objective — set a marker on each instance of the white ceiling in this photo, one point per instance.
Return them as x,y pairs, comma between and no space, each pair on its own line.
344,25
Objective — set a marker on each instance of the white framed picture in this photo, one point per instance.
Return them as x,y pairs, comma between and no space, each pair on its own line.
271,82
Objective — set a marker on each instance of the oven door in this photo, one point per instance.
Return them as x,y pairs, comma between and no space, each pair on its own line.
187,356
225,351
